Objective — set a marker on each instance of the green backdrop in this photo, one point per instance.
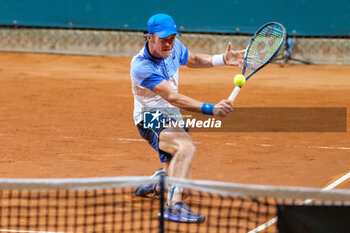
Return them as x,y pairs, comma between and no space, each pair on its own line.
300,17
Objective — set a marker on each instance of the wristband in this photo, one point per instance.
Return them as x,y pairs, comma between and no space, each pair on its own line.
218,60
207,108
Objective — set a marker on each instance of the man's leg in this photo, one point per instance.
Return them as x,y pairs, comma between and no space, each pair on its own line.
146,190
152,137
180,144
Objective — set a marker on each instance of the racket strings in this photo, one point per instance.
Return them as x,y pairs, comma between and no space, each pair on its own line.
264,46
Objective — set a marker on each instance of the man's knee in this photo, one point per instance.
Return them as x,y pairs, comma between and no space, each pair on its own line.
186,150
174,143
187,146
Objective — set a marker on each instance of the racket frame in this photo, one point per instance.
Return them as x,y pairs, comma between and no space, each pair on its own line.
238,88
273,55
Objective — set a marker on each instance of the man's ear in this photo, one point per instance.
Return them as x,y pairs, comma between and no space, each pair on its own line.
150,38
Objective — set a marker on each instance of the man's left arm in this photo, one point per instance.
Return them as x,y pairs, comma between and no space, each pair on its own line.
230,57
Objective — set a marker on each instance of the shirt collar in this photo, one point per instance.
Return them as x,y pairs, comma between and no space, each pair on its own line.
157,61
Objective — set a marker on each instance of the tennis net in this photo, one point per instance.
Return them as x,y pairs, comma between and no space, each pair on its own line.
110,205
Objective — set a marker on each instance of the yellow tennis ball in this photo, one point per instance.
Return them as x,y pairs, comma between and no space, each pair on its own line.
239,80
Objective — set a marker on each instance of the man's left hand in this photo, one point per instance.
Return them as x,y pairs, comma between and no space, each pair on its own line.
233,58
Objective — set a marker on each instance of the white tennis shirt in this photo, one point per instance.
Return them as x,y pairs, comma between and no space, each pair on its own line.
147,72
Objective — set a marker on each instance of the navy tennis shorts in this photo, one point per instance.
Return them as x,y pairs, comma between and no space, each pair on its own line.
152,136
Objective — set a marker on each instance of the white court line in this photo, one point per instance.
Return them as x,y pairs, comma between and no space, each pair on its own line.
28,231
324,147
343,148
338,181
229,143
274,220
66,137
316,147
266,145
331,147
294,146
130,139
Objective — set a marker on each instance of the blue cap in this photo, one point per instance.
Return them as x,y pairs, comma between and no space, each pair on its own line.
162,25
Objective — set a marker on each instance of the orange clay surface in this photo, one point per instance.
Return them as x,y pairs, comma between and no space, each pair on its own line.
71,116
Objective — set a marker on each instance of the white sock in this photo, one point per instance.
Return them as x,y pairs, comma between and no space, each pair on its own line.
174,194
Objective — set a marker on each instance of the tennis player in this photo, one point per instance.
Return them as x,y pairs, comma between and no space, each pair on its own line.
155,77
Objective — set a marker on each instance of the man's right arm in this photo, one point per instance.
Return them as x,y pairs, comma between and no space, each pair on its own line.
163,89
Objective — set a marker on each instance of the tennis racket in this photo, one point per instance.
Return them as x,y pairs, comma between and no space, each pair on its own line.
262,47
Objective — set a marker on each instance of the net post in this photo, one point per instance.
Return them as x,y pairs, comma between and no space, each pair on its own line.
162,191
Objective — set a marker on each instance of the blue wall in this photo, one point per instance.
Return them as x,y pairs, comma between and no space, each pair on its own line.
300,17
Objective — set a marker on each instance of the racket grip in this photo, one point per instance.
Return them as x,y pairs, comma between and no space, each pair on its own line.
234,94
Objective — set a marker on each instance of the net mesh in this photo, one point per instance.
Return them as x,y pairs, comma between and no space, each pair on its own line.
247,208
81,206
110,205
264,45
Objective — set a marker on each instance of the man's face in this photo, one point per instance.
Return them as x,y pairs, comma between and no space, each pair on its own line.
161,47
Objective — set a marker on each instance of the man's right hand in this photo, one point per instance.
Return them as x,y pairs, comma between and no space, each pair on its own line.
223,108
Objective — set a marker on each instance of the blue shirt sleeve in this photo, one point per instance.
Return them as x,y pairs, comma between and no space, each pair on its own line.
181,51
151,81
145,74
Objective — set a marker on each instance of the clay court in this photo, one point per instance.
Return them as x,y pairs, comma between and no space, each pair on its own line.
66,116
